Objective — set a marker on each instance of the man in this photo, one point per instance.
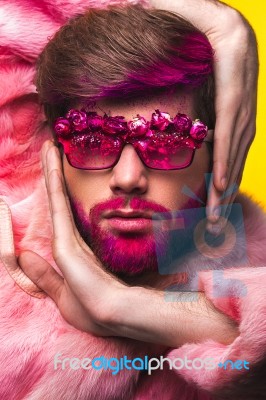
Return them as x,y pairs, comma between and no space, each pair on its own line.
112,207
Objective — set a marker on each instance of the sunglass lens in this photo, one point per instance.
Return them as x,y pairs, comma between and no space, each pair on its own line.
165,157
95,151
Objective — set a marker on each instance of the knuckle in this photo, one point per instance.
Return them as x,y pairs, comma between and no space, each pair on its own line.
41,279
235,15
63,251
105,315
59,251
231,17
240,29
238,21
103,318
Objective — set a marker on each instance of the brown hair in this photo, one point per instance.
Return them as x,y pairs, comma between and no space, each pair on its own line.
121,52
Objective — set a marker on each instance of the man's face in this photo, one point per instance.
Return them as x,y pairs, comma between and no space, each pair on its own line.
113,207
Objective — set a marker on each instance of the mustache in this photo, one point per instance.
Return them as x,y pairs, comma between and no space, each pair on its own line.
134,203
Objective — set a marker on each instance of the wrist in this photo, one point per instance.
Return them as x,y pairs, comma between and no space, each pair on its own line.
111,306
145,314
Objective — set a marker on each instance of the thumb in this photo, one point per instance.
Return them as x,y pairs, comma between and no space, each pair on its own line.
41,273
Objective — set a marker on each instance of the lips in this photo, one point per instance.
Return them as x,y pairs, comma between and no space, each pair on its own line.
129,221
128,213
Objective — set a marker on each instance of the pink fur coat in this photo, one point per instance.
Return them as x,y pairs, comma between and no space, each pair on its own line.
32,330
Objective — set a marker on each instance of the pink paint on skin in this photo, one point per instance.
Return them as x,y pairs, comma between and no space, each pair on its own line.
129,250
120,250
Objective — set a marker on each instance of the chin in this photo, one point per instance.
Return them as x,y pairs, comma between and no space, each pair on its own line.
127,255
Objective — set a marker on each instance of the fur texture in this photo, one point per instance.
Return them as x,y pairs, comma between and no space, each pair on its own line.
32,330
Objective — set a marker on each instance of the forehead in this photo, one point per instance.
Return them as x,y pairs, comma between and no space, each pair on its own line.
171,101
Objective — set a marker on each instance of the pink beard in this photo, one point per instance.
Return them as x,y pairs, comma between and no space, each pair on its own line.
126,254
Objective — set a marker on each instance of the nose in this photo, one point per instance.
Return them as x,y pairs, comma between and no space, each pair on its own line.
129,175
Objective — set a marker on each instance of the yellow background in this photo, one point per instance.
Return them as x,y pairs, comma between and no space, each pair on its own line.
254,177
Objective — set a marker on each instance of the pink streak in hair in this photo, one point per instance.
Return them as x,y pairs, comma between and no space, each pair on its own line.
189,64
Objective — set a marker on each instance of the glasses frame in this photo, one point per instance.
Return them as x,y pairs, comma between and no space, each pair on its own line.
133,142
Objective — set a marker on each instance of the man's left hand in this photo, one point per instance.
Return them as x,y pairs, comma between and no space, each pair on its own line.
85,292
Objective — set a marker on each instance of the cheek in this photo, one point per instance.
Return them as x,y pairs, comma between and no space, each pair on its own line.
168,188
85,187
197,172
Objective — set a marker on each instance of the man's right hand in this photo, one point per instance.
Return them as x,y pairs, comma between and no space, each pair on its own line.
236,75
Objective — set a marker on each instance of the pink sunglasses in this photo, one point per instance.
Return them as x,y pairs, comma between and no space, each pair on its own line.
93,142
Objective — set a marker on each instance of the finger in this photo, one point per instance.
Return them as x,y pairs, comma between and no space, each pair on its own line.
243,138
213,210
228,99
235,106
237,172
227,201
7,254
235,181
228,196
223,136
67,250
221,204
58,165
61,216
240,144
45,147
42,274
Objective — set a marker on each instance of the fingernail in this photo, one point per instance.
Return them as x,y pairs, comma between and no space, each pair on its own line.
214,229
224,183
215,213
